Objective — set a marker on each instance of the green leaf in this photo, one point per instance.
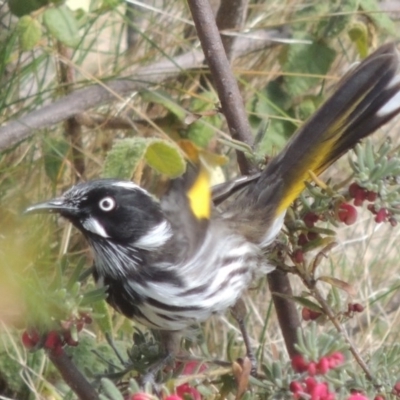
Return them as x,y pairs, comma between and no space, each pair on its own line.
358,33
124,157
163,98
307,303
61,22
24,7
126,154
305,59
165,158
110,389
202,131
102,316
29,32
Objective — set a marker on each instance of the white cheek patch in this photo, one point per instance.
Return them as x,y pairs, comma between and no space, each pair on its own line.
156,237
92,225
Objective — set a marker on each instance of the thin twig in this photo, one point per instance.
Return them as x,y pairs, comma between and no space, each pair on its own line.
311,285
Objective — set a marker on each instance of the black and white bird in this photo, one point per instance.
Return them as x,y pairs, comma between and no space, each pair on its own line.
173,262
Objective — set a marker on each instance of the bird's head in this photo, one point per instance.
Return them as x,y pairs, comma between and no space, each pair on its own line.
116,210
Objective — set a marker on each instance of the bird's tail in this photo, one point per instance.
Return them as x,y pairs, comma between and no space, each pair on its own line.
365,99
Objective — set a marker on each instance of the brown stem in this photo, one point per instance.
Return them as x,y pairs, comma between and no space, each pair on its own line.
286,311
72,376
225,83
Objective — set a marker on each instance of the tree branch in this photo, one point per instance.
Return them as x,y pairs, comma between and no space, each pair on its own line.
72,376
86,98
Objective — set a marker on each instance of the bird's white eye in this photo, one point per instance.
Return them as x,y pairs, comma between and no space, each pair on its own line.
107,204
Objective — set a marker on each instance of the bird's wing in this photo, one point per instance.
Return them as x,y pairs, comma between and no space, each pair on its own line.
187,206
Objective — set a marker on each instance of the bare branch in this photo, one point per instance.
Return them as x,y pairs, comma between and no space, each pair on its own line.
95,95
286,311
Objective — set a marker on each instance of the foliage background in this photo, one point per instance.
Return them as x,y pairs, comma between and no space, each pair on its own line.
53,49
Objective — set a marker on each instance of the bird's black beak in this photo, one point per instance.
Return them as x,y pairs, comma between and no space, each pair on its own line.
57,205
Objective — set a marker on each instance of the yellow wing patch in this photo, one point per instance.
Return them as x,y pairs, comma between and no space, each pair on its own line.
199,194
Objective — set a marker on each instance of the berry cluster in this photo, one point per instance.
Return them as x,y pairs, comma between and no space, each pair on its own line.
313,387
321,367
310,387
360,195
54,340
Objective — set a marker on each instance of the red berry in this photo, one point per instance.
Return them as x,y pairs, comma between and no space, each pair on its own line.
335,359
306,314
323,365
396,389
87,319
30,339
312,369
310,219
52,340
379,397
357,307
311,383
372,196
298,256
80,323
186,389
194,366
296,387
69,340
381,215
347,214
320,391
314,315
312,236
360,196
309,315
353,189
302,240
299,364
